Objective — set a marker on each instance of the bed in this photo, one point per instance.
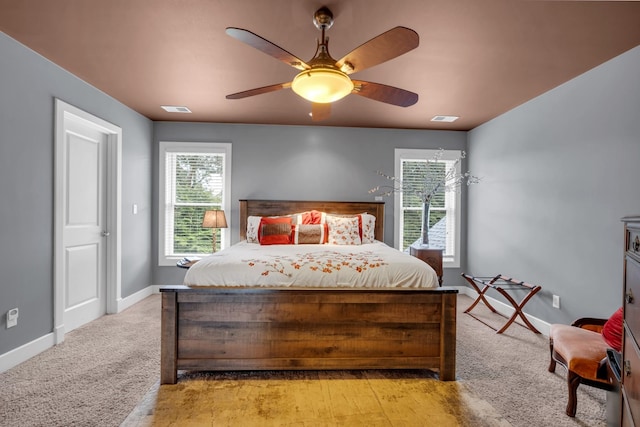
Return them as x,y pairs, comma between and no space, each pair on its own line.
234,327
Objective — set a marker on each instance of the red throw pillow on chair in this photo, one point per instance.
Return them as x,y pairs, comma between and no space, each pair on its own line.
612,330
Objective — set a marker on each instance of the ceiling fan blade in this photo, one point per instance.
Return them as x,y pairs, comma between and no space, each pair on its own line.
320,112
259,91
265,46
383,93
386,46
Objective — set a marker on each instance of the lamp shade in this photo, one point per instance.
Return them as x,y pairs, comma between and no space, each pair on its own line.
322,85
214,219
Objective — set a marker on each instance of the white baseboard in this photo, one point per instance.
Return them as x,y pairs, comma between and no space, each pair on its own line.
124,303
506,309
25,352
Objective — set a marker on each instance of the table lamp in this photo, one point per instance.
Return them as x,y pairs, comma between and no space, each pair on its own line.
214,219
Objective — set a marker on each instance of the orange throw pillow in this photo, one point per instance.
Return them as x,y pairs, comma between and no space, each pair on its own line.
275,231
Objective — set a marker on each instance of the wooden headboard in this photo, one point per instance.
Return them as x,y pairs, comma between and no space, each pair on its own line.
285,207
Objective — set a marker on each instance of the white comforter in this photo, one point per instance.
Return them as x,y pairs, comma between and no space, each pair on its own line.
373,265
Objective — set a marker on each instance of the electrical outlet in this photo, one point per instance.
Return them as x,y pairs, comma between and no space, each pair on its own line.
556,301
12,318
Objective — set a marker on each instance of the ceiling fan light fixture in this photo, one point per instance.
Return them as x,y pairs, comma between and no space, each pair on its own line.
322,85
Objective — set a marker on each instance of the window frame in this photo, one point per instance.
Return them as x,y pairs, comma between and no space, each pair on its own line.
401,154
166,147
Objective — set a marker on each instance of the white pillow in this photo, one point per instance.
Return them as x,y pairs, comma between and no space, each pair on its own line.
253,223
343,231
368,228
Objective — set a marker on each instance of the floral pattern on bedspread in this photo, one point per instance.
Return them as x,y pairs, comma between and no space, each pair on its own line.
325,262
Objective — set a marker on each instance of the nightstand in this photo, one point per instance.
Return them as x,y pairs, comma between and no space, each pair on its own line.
187,262
431,256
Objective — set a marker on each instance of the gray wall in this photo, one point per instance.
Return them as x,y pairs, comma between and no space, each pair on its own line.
28,86
304,163
559,173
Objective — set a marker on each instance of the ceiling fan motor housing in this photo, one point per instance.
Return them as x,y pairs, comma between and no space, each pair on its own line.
323,18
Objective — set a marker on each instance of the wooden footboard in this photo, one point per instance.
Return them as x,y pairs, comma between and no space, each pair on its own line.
210,329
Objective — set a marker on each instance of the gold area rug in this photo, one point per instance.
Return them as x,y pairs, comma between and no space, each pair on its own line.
313,398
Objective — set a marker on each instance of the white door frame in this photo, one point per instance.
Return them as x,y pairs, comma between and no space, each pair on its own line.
64,111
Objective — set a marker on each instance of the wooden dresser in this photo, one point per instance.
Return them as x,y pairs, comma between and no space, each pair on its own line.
630,386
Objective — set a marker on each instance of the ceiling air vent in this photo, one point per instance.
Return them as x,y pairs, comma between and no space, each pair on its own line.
175,109
447,119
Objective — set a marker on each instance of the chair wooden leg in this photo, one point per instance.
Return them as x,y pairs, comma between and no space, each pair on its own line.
552,361
573,381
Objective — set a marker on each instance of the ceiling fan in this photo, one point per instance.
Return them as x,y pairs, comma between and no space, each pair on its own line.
323,80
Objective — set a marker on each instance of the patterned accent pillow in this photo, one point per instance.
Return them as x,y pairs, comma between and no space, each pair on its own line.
309,234
253,223
275,231
343,230
368,228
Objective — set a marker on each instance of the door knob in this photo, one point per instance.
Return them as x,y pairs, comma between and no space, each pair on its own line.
105,234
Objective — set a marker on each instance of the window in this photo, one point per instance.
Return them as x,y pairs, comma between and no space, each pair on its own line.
444,219
194,178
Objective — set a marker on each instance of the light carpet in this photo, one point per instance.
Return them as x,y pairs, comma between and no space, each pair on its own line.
510,371
95,377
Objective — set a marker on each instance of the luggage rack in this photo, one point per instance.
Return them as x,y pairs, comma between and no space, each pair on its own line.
503,285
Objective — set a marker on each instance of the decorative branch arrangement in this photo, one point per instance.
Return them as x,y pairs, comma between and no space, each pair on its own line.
432,182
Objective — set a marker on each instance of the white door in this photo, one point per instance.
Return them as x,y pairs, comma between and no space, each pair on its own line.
87,219
84,232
